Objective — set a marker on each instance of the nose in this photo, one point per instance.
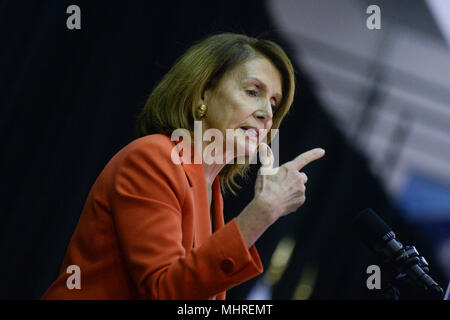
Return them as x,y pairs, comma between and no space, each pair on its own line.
264,114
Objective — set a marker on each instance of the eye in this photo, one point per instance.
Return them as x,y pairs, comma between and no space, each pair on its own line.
252,92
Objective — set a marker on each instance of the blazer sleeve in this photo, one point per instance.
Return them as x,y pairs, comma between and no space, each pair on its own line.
147,208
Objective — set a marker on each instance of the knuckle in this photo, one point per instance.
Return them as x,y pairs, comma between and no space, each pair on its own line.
290,168
288,165
304,176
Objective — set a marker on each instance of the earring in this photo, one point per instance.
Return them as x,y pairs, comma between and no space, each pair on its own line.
201,111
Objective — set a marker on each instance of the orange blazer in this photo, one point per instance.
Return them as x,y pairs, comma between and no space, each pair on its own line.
145,233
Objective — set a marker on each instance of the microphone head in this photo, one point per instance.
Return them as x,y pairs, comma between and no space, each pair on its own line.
370,227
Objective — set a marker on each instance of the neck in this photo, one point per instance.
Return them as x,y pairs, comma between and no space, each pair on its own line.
211,172
213,169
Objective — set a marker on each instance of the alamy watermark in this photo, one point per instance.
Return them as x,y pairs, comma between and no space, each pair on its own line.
374,280
374,20
74,20
74,280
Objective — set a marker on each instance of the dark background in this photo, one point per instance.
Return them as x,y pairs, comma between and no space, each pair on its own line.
69,99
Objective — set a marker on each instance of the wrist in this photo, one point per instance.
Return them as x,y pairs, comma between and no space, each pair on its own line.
265,210
254,220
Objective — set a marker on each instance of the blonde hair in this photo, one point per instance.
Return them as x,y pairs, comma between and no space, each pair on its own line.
171,103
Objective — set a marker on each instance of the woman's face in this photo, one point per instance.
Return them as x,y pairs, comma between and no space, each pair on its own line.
245,97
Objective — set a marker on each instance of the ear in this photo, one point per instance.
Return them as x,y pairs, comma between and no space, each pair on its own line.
206,95
205,98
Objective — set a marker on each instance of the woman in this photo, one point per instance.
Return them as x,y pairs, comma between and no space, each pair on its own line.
146,230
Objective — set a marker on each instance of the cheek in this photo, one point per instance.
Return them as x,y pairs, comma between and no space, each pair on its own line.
236,102
234,108
246,105
241,113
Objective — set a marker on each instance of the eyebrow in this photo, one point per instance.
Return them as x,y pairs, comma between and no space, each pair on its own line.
264,87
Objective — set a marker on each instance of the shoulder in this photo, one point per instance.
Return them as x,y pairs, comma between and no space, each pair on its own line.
159,144
152,152
146,162
156,148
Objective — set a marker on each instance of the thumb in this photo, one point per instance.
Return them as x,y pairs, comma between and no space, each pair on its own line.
267,159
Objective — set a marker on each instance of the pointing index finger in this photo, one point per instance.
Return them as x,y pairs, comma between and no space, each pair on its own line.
308,157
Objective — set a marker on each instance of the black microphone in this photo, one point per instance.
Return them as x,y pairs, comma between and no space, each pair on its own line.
378,236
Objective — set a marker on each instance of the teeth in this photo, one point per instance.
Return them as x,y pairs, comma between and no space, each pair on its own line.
251,132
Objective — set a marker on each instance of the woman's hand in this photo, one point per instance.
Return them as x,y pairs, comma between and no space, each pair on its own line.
283,189
278,192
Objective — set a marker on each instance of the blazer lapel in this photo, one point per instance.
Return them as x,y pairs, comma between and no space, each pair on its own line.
217,205
202,222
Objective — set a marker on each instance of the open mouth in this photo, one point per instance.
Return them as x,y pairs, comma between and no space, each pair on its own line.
250,131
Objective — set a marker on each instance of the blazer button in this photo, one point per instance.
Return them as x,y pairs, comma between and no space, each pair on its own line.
227,265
